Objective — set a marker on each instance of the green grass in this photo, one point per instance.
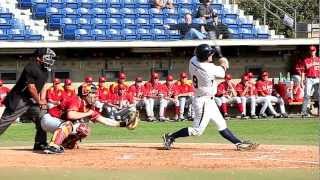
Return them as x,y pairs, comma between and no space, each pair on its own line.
80,174
279,131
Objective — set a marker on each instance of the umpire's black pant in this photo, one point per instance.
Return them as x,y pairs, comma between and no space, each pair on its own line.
9,116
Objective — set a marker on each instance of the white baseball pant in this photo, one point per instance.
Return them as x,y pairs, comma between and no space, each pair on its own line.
151,102
253,102
183,102
310,85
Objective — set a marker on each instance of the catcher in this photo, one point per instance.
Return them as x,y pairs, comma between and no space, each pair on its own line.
68,121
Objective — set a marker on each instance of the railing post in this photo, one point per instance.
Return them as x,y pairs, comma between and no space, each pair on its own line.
264,13
295,23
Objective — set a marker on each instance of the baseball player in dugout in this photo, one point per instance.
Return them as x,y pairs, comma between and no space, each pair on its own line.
121,81
3,93
54,93
138,91
185,97
68,90
170,96
227,94
69,121
25,95
311,79
204,73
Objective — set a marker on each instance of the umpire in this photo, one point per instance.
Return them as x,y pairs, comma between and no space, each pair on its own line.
25,95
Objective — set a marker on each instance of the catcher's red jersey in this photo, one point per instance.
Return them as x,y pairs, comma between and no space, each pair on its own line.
312,67
70,104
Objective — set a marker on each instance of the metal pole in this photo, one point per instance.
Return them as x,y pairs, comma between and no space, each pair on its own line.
264,13
295,23
319,35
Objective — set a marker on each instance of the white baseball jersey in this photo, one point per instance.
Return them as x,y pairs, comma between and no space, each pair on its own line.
203,76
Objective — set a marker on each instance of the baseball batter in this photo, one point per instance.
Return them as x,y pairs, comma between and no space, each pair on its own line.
204,74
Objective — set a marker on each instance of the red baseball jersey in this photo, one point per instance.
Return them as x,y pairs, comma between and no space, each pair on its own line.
153,89
137,91
241,86
114,87
102,93
184,87
170,91
265,87
312,67
3,93
298,68
69,104
120,100
223,89
297,94
54,94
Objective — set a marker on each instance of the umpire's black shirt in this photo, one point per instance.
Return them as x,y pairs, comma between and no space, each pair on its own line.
33,73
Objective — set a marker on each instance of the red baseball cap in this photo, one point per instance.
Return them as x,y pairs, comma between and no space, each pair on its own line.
265,73
1,81
312,48
228,77
250,74
56,81
88,79
154,75
245,77
122,75
183,75
67,82
102,79
169,78
138,79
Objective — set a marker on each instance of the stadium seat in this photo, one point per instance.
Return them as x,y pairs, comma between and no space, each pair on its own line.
184,4
128,13
128,23
84,13
113,13
217,4
17,23
5,13
31,35
71,4
170,13
114,23
229,12
143,34
16,34
198,21
169,21
85,4
56,3
54,23
245,23
142,23
142,13
99,23
24,4
82,34
246,33
262,32
183,11
53,12
173,34
5,23
128,3
99,34
142,4
158,34
68,26
3,34
39,8
230,22
114,3
99,4
99,13
156,23
234,32
69,12
83,23
155,13
128,34
113,34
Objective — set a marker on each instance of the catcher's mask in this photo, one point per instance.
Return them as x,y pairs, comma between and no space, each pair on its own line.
46,56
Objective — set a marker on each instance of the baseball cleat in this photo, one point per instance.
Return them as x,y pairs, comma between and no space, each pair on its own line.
243,116
263,115
167,141
246,146
53,150
284,115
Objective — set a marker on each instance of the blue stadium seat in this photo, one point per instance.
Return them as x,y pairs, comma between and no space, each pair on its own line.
142,4
113,34
68,27
69,12
99,34
83,34
54,23
99,3
184,4
155,13
86,4
158,34
230,22
84,13
246,33
71,4
170,13
198,21
234,32
142,13
114,23
173,34
230,12
31,35
143,34
143,23
262,33
99,13
169,21
17,24
24,3
183,11
245,23
128,34
3,34
5,23
56,3
99,23
156,23
128,23
195,4
53,13
217,4
114,3
5,13
16,34
128,13
128,3
113,13
39,8
83,23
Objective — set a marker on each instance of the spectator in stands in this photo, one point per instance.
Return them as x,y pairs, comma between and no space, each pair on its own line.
205,11
3,93
188,30
216,29
159,4
54,94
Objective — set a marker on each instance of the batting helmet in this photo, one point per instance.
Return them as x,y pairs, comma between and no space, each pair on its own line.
203,51
183,75
102,79
88,79
67,82
228,77
122,75
154,75
56,81
169,78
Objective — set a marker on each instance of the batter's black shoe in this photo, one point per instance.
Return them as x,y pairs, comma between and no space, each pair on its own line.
39,146
167,141
53,150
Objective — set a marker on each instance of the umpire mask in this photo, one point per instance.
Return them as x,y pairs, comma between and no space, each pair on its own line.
46,56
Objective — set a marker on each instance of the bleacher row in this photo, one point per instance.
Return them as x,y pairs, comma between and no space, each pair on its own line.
121,20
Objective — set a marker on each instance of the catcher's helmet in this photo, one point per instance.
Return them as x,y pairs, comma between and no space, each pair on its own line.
46,56
203,51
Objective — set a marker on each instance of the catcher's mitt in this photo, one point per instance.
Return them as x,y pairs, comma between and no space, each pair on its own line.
133,120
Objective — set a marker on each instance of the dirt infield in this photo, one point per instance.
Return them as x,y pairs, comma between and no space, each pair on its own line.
151,155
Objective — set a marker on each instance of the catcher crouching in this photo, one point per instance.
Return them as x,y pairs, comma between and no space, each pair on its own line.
69,121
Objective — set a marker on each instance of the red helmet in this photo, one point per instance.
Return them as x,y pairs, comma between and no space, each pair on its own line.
154,75
102,79
56,81
183,75
67,82
1,81
228,77
138,79
122,75
88,79
169,78
265,73
312,48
